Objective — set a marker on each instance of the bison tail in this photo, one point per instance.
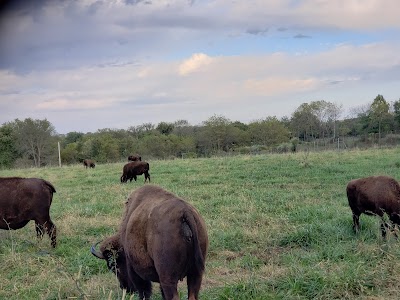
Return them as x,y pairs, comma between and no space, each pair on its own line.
50,186
198,258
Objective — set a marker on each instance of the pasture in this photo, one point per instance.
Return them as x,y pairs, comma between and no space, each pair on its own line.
279,228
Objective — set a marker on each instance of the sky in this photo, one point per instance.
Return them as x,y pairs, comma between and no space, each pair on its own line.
87,65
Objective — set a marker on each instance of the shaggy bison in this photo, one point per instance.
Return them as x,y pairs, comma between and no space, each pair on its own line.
25,199
135,157
162,239
375,195
89,163
133,169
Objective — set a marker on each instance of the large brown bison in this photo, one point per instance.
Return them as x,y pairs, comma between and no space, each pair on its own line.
375,195
133,169
25,199
135,157
89,163
162,239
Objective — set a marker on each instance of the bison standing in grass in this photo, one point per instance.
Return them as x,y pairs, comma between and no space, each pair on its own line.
133,169
375,195
25,199
162,239
89,163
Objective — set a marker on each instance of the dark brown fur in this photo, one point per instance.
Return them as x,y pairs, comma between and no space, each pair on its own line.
135,157
89,163
162,239
133,169
25,199
374,195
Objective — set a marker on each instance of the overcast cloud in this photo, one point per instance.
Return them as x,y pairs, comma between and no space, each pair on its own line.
87,65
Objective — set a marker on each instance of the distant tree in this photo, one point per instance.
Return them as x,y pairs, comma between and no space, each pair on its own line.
72,137
268,132
304,122
70,153
379,113
181,123
327,114
35,139
396,112
183,128
141,130
217,134
165,128
8,148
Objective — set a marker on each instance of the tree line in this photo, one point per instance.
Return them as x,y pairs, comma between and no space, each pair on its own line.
29,142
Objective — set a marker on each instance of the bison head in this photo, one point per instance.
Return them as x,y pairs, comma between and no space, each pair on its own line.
113,253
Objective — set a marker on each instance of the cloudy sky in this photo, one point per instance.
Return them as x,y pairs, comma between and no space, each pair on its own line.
86,65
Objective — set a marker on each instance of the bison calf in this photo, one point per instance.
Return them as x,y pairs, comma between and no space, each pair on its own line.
133,169
162,239
25,199
89,163
375,195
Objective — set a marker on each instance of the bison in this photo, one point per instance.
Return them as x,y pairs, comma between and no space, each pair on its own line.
25,199
133,169
89,163
375,195
135,157
161,239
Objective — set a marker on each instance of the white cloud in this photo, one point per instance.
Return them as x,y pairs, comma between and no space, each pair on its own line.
196,62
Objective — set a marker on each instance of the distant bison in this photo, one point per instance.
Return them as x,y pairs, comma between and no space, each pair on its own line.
133,169
89,163
135,157
162,239
375,195
25,199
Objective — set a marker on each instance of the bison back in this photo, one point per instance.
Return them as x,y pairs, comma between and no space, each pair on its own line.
23,199
171,230
375,194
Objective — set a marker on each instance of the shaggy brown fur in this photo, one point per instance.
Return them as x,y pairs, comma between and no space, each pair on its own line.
89,163
135,157
25,199
162,239
133,169
374,195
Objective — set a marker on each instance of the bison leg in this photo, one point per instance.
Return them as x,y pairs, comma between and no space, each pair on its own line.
146,176
143,286
39,230
194,284
50,228
384,226
169,291
356,222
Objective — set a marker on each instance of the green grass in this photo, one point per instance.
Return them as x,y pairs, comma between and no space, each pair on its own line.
279,228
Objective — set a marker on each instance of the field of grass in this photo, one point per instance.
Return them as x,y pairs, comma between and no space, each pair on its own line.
279,228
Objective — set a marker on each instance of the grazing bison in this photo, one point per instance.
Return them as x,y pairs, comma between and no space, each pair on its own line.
135,157
89,163
25,199
133,169
162,239
375,195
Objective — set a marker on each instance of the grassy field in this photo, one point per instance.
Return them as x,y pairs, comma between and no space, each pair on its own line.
279,228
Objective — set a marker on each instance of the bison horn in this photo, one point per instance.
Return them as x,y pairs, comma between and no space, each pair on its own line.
95,252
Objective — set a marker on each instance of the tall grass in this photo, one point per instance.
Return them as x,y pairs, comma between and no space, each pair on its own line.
279,228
